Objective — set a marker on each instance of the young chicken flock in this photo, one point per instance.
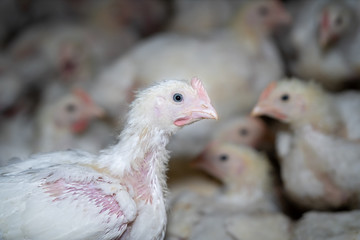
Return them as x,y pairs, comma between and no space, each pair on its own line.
281,163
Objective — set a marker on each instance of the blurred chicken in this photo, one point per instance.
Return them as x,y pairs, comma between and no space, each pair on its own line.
324,42
10,91
244,130
15,16
330,226
246,175
17,135
60,125
242,54
71,51
321,161
142,18
184,213
269,226
116,194
202,16
260,226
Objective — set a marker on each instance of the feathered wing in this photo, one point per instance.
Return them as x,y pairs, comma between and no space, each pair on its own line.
85,203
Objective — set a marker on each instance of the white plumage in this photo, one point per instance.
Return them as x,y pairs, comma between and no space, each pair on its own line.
118,194
320,157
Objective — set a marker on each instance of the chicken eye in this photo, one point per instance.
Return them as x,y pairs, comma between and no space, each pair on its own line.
263,11
70,108
178,97
285,97
243,132
223,157
339,21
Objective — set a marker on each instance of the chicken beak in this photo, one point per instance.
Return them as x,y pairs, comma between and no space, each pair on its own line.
205,111
282,15
198,162
96,111
257,111
264,109
284,18
326,39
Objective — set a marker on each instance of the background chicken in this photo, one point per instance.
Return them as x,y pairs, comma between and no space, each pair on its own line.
247,188
319,169
118,193
270,226
246,176
320,225
201,17
58,125
322,43
243,130
61,125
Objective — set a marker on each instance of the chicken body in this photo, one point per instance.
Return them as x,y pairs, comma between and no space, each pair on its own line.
202,17
118,194
328,225
246,177
323,42
321,156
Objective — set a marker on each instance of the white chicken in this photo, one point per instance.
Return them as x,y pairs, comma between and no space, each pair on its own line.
328,225
118,194
67,122
242,54
247,189
321,161
260,226
246,176
324,42
244,130
202,16
61,124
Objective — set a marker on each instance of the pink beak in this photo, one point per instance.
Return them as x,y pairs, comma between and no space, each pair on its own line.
204,111
264,109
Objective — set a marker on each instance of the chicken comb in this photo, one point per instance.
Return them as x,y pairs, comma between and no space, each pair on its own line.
267,91
82,95
325,21
198,86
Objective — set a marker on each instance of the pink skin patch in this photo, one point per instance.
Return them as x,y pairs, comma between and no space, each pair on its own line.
141,182
61,189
